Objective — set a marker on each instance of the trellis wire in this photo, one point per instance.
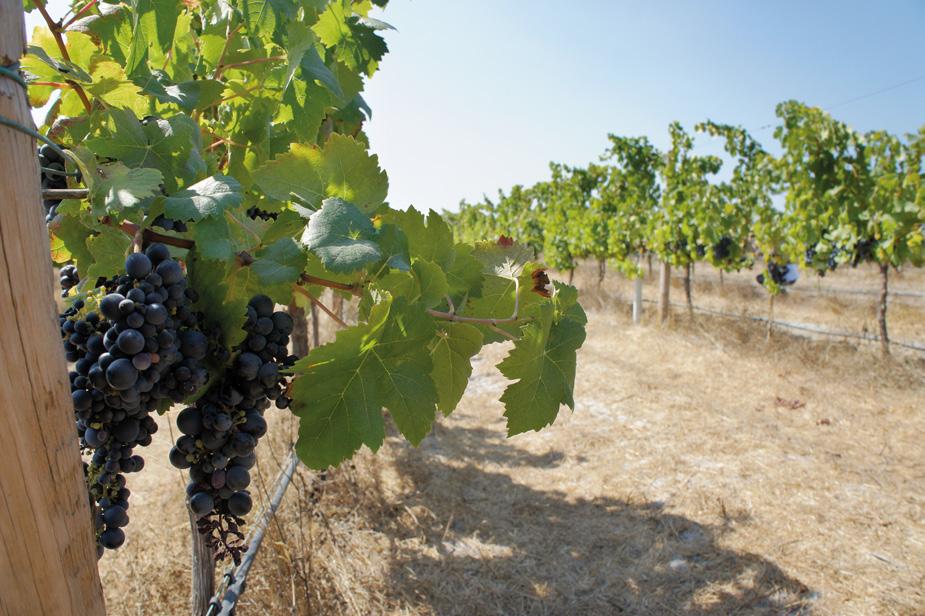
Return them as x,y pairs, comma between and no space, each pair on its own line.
809,327
235,578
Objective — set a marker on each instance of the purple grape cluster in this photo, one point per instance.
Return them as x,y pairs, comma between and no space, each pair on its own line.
220,431
143,347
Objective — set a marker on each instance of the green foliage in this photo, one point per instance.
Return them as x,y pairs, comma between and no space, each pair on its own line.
201,112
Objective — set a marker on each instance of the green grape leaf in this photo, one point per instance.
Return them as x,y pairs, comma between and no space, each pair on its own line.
118,187
432,282
503,259
108,249
73,234
188,95
452,351
465,276
394,246
342,236
342,169
209,197
431,240
341,387
60,69
292,175
281,262
314,68
213,239
351,173
543,363
167,145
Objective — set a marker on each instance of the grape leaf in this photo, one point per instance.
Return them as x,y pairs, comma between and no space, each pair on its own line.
351,173
342,386
452,351
543,363
431,239
108,248
342,237
118,187
281,262
432,281
292,173
213,238
163,144
209,197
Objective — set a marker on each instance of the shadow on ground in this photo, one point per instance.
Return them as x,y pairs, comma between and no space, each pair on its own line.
491,545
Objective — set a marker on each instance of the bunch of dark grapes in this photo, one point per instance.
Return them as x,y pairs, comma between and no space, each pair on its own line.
701,251
69,278
809,256
863,252
722,249
169,224
254,212
53,176
220,431
142,347
777,273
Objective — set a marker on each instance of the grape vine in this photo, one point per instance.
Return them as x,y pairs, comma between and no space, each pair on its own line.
216,166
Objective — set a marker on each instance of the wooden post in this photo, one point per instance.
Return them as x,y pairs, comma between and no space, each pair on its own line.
48,558
300,343
770,316
687,289
664,291
601,271
202,586
316,334
637,291
881,308
637,300
337,304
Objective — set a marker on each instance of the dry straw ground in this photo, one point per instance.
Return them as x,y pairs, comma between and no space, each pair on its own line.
702,472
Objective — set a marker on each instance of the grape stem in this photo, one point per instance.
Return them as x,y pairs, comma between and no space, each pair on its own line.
131,229
245,258
55,28
315,301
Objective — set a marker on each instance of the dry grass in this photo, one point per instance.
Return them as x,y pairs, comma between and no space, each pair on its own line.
702,472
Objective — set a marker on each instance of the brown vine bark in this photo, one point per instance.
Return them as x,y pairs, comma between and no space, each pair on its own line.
664,291
881,309
687,290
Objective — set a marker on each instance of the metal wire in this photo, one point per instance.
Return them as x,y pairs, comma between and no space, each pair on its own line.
11,71
235,578
807,327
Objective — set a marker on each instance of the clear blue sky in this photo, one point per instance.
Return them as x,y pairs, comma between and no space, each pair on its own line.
479,95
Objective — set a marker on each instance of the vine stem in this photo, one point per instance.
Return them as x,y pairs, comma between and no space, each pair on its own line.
223,67
56,32
78,14
315,301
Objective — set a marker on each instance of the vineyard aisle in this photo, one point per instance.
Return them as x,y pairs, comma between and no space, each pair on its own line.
696,475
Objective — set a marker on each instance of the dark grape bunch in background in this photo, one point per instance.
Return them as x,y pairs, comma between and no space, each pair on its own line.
169,224
69,278
782,274
220,431
254,213
722,249
141,348
53,176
